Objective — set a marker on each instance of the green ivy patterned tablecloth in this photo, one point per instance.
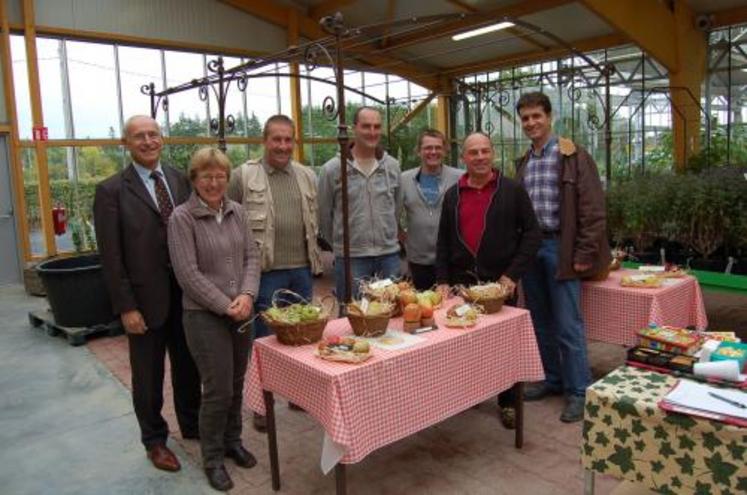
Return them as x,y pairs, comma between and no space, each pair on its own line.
627,436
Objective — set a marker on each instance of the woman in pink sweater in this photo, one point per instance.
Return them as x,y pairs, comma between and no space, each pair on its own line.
216,262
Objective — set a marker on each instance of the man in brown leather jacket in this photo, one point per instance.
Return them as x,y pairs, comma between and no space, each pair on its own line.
563,183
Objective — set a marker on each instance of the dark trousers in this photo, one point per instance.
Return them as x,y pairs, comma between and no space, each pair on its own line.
147,358
221,354
423,276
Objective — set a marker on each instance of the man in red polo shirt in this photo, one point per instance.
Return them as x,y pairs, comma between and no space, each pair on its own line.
488,231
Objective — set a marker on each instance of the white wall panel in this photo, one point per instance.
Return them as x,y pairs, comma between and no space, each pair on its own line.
190,21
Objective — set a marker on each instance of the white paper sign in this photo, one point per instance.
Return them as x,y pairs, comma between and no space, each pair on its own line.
462,310
651,268
380,284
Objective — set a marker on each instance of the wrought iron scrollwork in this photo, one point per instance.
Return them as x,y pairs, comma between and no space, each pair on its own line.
147,89
488,127
214,126
242,81
329,108
230,124
593,122
313,53
165,103
203,92
574,94
215,65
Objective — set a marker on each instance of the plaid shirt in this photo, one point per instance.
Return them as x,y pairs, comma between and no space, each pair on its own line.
541,182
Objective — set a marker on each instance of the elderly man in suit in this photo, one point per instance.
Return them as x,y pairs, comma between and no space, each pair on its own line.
131,212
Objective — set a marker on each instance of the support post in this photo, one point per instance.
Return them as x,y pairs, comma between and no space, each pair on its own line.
272,438
45,197
16,168
295,89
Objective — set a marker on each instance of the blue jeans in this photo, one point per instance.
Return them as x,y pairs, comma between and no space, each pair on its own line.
384,266
298,280
556,315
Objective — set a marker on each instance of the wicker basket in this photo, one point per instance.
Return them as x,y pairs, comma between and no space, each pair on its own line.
490,306
368,326
297,334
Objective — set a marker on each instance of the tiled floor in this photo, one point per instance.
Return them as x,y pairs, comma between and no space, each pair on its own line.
68,427
469,453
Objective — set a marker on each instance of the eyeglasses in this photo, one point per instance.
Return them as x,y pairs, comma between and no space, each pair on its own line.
213,178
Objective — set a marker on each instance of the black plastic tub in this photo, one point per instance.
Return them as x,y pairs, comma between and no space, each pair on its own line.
76,291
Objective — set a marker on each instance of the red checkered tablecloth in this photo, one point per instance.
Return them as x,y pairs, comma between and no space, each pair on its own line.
397,393
614,314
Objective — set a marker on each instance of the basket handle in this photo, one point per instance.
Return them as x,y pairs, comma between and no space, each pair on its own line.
277,296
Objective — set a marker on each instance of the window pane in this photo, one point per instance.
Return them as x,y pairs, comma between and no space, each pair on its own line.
284,85
21,84
93,89
139,67
187,113
49,52
31,191
261,94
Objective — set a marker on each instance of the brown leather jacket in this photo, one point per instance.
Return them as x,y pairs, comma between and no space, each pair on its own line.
583,222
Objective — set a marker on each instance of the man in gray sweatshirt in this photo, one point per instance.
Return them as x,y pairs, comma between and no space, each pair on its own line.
374,200
423,191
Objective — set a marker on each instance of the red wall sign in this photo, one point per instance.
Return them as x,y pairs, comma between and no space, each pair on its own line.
40,133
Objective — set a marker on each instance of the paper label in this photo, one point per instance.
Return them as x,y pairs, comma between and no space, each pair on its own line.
380,284
364,306
651,268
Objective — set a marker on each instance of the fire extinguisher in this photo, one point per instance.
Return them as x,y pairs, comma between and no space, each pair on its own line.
59,219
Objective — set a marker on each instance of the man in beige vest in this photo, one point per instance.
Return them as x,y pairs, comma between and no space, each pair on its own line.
280,197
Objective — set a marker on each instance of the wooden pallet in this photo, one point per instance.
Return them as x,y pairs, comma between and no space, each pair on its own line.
75,335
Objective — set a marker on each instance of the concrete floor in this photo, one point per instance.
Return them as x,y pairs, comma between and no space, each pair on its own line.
68,427
66,424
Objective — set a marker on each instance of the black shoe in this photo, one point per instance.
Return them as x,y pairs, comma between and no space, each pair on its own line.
537,391
259,422
219,479
574,409
241,456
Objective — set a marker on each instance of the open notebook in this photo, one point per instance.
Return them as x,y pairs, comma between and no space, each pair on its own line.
697,399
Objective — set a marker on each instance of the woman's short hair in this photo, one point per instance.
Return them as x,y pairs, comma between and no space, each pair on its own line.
206,158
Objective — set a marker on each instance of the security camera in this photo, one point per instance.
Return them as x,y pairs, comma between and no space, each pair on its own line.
704,22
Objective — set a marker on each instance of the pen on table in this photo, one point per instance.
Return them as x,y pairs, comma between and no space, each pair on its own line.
425,329
728,401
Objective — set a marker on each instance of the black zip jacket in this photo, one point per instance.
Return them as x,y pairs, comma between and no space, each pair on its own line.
509,242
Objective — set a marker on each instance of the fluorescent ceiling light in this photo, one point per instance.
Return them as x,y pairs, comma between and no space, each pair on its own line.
482,30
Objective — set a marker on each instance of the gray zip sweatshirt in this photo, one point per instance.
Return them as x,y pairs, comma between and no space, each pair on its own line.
421,219
374,206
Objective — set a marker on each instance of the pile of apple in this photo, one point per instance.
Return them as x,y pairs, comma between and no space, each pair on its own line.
418,307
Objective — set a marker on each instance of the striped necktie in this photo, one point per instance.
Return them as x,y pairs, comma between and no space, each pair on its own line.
162,197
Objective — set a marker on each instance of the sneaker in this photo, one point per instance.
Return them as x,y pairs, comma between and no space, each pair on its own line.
508,417
574,409
537,391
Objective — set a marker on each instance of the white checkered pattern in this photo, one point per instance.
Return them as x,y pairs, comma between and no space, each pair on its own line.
614,314
397,393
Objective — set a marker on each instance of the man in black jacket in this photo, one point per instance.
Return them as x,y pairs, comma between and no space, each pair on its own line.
488,232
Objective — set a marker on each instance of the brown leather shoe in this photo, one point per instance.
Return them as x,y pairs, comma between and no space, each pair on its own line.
163,458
